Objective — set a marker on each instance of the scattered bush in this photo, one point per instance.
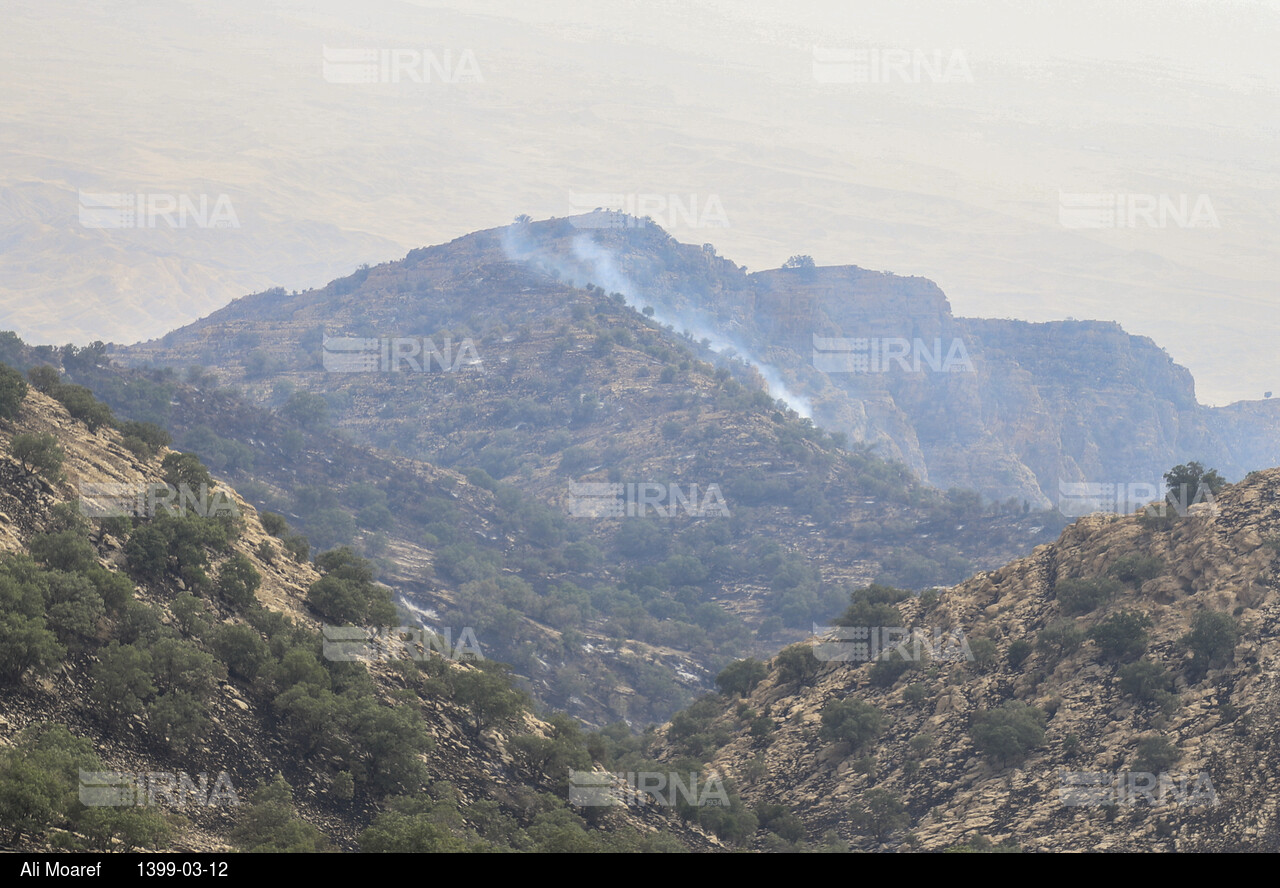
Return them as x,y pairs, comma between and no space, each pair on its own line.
850,721
1085,595
1122,636
1008,734
740,677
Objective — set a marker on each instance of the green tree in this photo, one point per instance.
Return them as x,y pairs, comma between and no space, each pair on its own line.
1082,596
740,677
796,664
67,550
1213,637
44,378
1146,682
121,682
38,452
237,582
144,439
850,721
82,405
177,720
270,824
879,813
191,615
26,643
1191,483
274,524
486,695
242,649
393,832
1009,733
1155,754
38,779
1019,650
185,469
73,608
1059,639
1122,636
13,389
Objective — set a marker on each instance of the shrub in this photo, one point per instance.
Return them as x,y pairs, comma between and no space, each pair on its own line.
1085,595
1213,636
1155,754
237,582
271,824
1122,636
242,649
850,721
44,378
740,677
878,813
1018,652
1007,734
1059,640
38,453
796,664
1136,569
13,389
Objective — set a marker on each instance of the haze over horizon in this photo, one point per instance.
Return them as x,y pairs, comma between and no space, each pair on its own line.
770,120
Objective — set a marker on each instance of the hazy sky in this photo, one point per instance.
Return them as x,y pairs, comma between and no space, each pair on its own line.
980,144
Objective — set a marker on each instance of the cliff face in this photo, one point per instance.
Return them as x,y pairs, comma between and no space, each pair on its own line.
1007,408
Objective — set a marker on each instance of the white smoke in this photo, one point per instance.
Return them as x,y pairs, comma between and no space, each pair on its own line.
597,265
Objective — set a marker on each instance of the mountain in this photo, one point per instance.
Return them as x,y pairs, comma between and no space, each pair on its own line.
546,387
1007,408
1113,691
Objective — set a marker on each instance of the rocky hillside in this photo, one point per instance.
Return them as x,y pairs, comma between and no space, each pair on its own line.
190,644
1114,690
